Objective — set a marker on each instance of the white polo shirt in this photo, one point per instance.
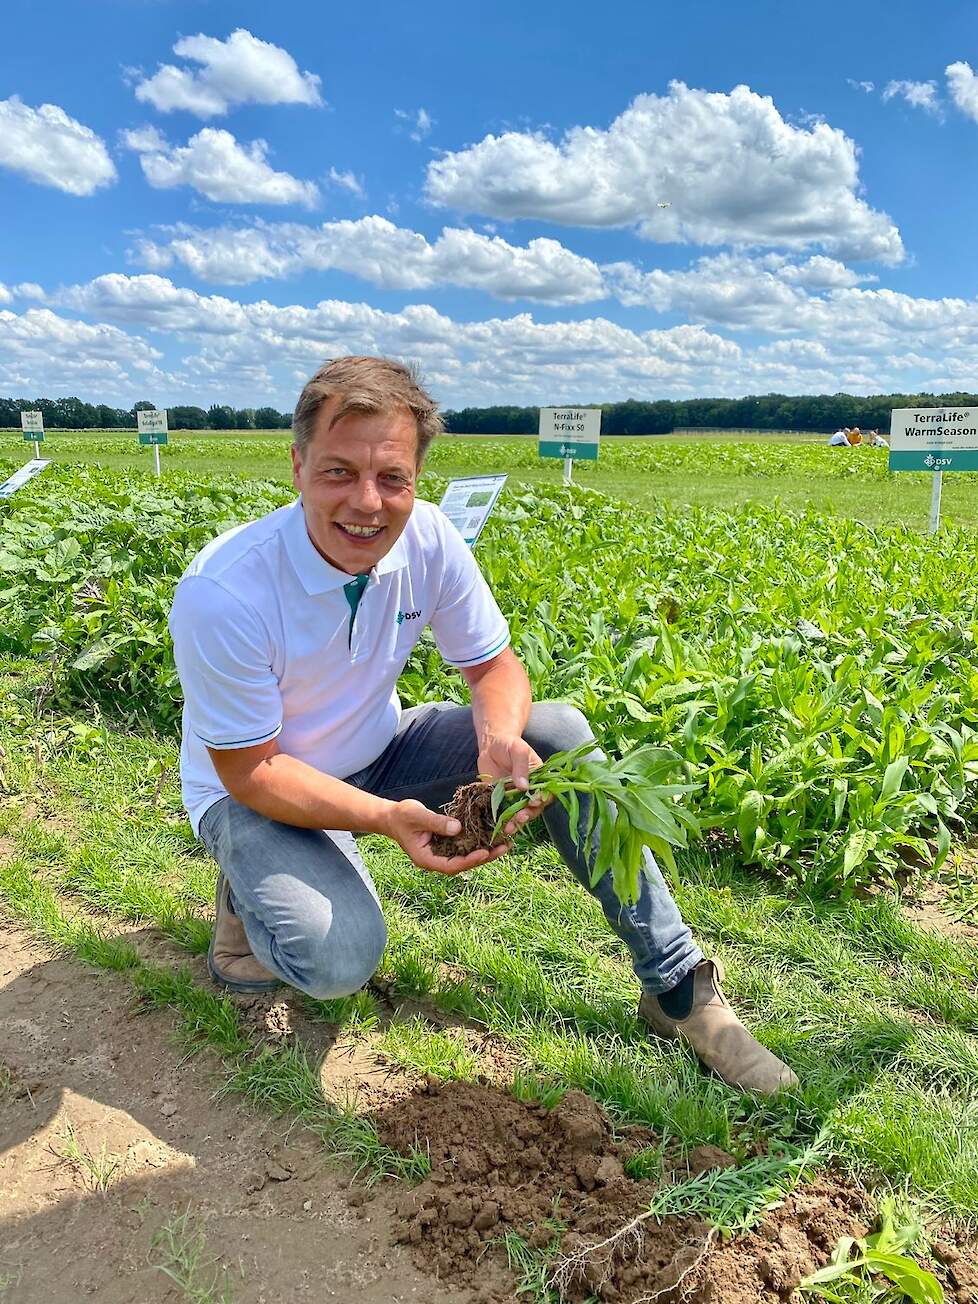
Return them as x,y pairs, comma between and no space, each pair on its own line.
267,644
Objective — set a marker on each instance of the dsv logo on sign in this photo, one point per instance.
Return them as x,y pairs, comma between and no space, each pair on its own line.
402,616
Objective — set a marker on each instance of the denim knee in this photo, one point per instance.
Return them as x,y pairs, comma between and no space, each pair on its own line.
556,727
338,959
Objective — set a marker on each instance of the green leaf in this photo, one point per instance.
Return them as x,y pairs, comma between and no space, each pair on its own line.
97,654
893,777
858,846
498,793
750,818
917,1284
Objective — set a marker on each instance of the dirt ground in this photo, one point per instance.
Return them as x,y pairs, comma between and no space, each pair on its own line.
81,1070
93,1092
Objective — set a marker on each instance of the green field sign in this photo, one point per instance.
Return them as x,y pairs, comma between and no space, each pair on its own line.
572,433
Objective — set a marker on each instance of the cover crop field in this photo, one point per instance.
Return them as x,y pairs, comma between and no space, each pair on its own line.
794,472
817,676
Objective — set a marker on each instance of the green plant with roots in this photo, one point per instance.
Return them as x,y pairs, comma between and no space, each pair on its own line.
859,1262
631,803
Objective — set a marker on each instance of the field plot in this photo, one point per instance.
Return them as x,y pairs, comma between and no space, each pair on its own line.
816,675
659,472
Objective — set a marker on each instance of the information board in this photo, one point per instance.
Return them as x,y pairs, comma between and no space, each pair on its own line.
32,424
570,432
468,502
19,478
152,426
934,439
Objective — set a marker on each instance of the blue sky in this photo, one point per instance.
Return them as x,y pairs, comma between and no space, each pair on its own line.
539,204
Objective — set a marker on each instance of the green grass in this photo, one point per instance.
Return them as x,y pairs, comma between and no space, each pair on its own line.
877,1016
180,1252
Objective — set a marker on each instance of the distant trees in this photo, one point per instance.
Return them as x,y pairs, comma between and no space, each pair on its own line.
821,412
73,414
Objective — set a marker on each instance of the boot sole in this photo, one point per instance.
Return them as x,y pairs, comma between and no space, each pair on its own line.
233,984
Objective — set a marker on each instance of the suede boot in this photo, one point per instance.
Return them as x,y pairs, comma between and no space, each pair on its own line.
718,1037
229,958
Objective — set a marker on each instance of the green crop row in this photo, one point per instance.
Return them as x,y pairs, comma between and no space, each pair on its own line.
648,456
818,677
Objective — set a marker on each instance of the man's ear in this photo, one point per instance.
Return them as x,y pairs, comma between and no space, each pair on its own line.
296,467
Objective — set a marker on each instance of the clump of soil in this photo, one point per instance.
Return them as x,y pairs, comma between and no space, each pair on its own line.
471,806
500,1165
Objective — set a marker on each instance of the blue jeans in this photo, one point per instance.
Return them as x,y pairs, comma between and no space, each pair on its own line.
311,911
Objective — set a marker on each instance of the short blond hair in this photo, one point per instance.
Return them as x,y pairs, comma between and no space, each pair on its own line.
365,384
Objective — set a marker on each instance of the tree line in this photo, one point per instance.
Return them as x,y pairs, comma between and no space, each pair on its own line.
73,414
821,412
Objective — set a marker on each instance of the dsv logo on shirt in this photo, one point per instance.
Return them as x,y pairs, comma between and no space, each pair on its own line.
402,616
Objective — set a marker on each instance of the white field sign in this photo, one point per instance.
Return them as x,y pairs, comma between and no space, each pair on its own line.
153,430
936,439
19,478
572,433
32,424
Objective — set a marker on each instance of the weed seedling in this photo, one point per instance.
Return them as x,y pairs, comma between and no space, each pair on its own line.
183,1258
96,1170
856,1261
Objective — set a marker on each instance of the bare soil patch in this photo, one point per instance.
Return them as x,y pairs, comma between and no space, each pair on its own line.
557,1176
93,1093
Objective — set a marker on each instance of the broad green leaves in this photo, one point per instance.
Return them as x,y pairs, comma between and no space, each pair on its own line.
817,679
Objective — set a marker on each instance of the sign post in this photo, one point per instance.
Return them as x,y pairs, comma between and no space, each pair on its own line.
934,439
152,430
571,433
468,502
32,424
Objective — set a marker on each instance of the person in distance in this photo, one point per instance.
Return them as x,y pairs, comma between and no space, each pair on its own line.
290,633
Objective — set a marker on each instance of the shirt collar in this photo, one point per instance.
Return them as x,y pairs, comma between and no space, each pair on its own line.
316,574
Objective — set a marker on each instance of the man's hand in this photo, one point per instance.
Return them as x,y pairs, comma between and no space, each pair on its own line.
412,825
512,759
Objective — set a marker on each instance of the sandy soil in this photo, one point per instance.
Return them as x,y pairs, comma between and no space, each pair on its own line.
78,1061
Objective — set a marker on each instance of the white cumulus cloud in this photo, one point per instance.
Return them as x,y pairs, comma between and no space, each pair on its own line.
50,147
374,249
218,167
962,86
47,353
919,95
730,169
240,70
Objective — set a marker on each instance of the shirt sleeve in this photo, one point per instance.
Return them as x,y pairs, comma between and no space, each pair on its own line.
223,658
467,624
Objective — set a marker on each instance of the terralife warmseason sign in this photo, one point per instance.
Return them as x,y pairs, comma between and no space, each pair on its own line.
934,439
570,432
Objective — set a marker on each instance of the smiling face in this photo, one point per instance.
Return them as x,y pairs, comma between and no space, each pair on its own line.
357,480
